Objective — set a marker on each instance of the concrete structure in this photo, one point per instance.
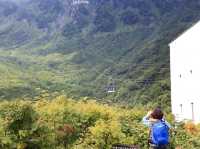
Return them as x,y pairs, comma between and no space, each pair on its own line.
185,75
78,2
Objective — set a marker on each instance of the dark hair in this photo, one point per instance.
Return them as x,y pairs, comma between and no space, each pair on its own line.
157,114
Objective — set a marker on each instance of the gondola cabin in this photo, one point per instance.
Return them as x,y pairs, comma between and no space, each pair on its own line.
111,88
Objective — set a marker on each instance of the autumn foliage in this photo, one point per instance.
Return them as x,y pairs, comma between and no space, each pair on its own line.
63,123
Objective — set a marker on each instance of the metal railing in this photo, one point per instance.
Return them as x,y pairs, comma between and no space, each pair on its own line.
123,146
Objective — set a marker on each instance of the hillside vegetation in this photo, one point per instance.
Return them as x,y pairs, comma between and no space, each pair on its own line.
50,48
78,50
64,123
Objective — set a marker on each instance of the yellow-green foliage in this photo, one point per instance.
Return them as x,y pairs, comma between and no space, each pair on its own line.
65,123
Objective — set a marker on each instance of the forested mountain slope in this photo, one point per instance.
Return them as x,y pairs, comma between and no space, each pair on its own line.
78,48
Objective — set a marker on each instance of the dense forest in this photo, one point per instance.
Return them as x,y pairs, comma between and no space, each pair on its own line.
59,58
80,49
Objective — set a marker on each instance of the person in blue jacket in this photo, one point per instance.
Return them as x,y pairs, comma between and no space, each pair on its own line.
159,129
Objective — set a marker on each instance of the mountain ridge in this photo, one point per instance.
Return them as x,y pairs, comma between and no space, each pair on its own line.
77,50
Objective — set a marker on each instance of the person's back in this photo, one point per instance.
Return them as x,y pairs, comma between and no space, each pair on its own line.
159,129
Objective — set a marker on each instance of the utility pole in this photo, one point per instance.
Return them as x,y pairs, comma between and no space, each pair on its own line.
192,106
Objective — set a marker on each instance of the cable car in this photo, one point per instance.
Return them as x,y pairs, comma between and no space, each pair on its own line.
111,87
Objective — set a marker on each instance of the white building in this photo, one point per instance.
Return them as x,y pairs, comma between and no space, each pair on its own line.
185,75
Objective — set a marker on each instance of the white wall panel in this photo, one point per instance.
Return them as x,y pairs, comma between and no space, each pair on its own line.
185,74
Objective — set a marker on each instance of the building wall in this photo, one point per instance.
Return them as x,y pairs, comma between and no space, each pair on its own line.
185,75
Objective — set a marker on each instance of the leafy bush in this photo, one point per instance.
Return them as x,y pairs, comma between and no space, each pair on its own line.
65,123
